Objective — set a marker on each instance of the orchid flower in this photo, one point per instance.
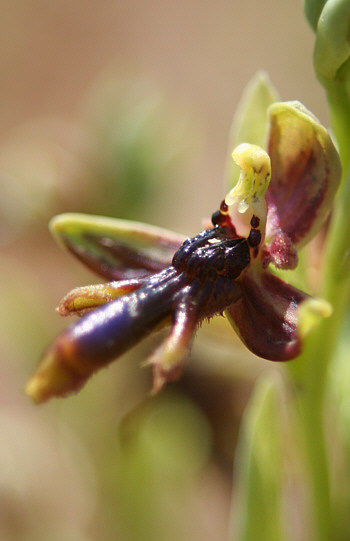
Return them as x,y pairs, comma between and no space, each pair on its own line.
159,279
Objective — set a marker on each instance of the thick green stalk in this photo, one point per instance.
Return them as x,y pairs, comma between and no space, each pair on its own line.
311,369
339,107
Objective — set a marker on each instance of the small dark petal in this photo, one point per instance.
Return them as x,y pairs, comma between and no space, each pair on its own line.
266,319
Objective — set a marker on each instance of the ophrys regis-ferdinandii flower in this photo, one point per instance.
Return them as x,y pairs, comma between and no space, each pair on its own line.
159,279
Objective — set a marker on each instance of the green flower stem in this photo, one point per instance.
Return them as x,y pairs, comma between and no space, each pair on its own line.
309,392
310,370
339,106
310,376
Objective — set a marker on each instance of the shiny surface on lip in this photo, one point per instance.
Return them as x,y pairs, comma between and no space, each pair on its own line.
109,331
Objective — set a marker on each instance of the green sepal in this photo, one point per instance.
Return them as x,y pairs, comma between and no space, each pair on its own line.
115,249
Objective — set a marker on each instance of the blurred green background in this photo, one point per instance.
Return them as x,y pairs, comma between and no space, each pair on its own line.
123,109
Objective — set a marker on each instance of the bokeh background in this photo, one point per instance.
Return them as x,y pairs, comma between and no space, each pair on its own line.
123,108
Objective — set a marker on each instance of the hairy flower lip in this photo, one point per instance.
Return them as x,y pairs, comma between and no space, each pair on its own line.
217,273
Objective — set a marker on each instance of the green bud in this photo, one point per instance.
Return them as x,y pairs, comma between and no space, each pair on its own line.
332,48
313,9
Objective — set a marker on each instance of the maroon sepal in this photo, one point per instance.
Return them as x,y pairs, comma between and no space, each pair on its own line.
266,317
116,249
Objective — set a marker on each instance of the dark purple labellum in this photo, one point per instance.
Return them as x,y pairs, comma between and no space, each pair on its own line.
200,283
203,269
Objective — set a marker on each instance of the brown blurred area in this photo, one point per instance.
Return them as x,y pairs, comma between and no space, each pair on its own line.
200,54
84,88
